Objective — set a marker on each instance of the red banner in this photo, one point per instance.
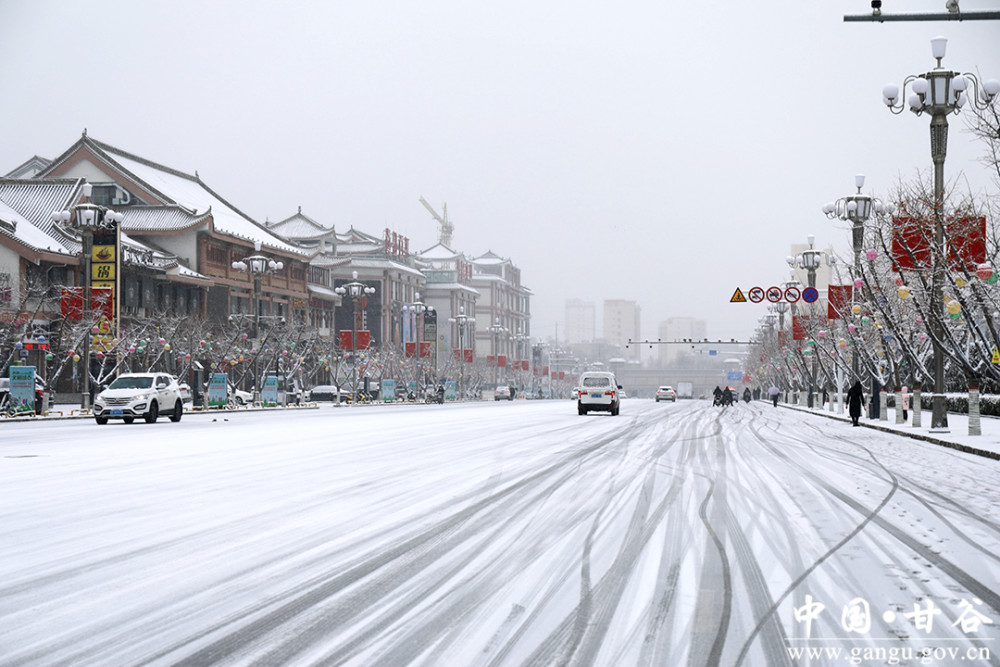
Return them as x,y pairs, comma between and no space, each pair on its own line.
545,370
802,325
838,301
562,375
502,361
347,337
490,360
410,350
101,301
456,354
911,243
524,365
425,349
469,357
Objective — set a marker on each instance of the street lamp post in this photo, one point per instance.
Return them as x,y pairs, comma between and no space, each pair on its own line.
356,291
257,265
461,321
496,329
85,218
938,93
810,260
520,338
857,209
418,308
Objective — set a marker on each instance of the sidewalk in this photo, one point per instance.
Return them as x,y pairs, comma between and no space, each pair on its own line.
956,435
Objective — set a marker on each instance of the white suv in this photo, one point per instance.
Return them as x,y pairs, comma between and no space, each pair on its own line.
145,395
598,390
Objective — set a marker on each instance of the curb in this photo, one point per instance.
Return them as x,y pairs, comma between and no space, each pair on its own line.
916,436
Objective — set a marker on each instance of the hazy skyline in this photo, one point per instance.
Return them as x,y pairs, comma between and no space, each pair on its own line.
665,153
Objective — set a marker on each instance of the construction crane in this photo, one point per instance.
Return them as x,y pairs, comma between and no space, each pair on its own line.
447,229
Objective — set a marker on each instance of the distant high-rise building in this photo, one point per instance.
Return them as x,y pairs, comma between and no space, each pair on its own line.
622,323
679,328
581,321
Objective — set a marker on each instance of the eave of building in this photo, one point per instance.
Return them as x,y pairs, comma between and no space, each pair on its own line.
448,288
228,219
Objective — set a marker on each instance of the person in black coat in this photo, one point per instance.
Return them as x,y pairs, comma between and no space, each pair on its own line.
855,399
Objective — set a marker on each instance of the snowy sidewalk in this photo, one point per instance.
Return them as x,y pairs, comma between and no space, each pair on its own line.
956,436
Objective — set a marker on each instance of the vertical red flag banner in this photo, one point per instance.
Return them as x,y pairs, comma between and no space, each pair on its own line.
545,370
425,349
346,340
410,350
502,361
801,326
911,243
364,340
782,335
838,301
798,327
71,304
469,358
490,359
456,354
562,375
524,365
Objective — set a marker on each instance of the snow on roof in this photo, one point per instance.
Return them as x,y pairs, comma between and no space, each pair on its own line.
300,226
189,192
438,251
21,229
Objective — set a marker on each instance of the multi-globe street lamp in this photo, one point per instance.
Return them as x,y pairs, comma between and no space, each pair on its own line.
857,209
418,308
497,330
810,260
461,321
85,218
257,265
939,93
356,291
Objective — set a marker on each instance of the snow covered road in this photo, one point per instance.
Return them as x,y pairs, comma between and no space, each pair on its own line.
495,534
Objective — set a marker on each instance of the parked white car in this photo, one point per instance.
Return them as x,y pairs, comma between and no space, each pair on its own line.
145,395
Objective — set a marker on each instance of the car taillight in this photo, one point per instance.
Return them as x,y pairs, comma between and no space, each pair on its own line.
609,393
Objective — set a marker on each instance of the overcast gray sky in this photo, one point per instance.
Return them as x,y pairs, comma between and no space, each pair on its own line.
665,152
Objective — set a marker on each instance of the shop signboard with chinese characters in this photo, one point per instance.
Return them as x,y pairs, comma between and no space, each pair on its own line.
105,267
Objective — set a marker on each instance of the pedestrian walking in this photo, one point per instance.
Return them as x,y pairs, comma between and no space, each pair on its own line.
855,400
906,401
746,394
773,393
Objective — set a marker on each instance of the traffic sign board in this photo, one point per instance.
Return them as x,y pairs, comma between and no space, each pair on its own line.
792,294
738,297
774,294
810,294
756,294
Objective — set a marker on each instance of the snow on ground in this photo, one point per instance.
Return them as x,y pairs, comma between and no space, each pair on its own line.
494,534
